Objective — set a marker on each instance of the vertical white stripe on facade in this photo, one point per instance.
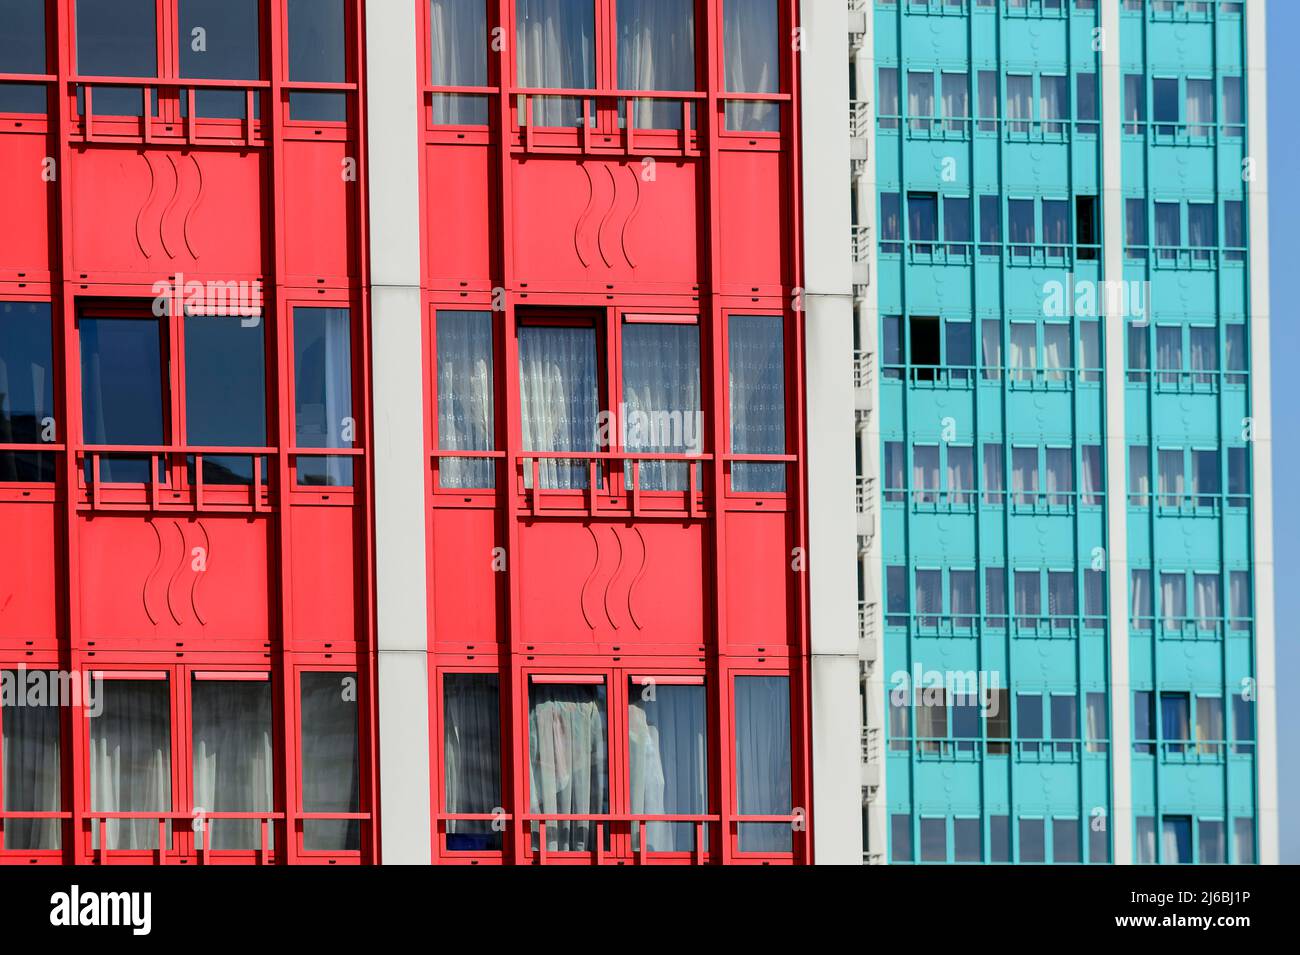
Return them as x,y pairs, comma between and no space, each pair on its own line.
397,379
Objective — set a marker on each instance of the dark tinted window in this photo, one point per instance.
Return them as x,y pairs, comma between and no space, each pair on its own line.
26,390
219,40
322,370
121,390
22,50
317,54
117,38
225,392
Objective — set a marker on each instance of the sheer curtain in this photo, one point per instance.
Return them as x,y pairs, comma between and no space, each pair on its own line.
962,598
1054,104
1171,478
1173,599
920,98
1208,609
1060,477
1020,99
1205,354
956,101
330,759
466,402
928,597
1029,598
130,760
558,398
752,59
895,476
656,51
556,42
756,365
1022,354
1140,599
961,474
1200,107
991,348
1239,595
667,761
1024,476
568,770
925,474
994,474
662,411
471,754
763,772
1090,481
233,759
1177,839
31,773
459,43
1056,351
323,382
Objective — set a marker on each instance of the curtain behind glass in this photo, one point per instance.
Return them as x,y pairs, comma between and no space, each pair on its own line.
667,761
31,772
1140,596
234,769
471,754
1200,107
752,59
1024,476
322,352
466,402
330,758
763,781
568,762
1177,840
558,399
130,760
956,101
26,388
459,41
1173,599
756,363
556,42
656,51
662,409
920,98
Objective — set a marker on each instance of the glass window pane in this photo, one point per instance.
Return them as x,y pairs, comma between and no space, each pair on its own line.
219,40
1086,102
887,95
920,98
1233,114
121,390
31,752
1143,718
956,101
556,43
22,50
662,410
1021,223
1098,842
1176,836
471,759
1243,841
934,840
568,762
1065,724
900,838
458,39
994,474
763,780
1200,107
1134,102
1098,724
559,404
891,223
988,101
1032,841
956,224
26,390
756,362
668,771
966,840
1029,721
317,54
130,760
656,51
225,393
1054,103
322,370
233,760
1065,840
1056,224
1164,105
1146,840
466,397
1169,228
752,59
117,38
1020,103
330,760
999,838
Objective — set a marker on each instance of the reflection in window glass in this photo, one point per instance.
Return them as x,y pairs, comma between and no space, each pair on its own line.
458,35
752,58
667,761
26,390
1176,836
471,757
656,51
568,762
559,403
227,48
225,393
322,375
31,754
330,760
130,760
121,391
756,362
317,54
763,780
117,38
662,408
466,398
234,765
556,43
22,50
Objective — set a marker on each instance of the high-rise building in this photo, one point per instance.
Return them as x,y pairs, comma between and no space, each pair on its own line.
1064,438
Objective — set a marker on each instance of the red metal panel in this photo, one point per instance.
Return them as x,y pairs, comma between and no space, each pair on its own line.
466,584
458,209
28,203
320,212
29,591
324,575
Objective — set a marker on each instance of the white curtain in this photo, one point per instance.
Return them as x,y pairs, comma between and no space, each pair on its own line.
756,363
1090,481
234,767
1200,107
1020,100
887,90
752,60
1208,610
1054,105
662,410
1146,840
994,474
1060,477
558,397
1095,715
668,761
1177,841
466,403
568,770
925,473
963,598
656,51
895,476
1171,478
459,43
929,597
1173,600
956,101
1023,351
961,473
556,42
471,756
991,348
1140,597
1061,604
1056,351
995,595
763,769
323,381
330,759
920,98
1029,598
1090,361
1139,475
130,760
1024,476
1205,354
31,772
1239,595
1094,598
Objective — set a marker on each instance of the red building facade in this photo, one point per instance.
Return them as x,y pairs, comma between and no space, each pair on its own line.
615,502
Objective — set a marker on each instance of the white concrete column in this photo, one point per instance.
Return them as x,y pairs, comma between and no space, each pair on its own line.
401,580
1262,443
1117,563
832,543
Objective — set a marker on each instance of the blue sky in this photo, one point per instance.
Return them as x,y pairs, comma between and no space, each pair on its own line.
1284,214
